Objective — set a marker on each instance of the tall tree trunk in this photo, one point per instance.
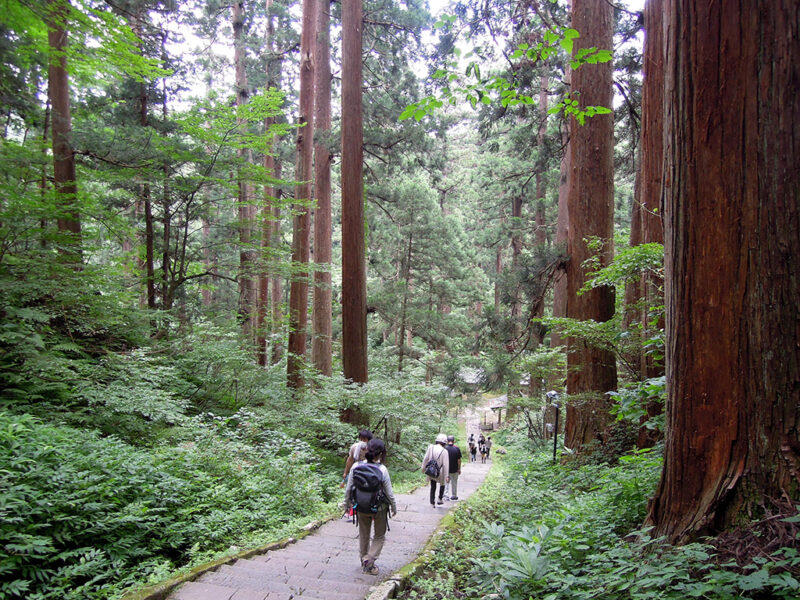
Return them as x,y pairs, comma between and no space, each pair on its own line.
591,372
270,288
298,293
321,351
540,239
276,283
562,233
247,282
64,176
649,195
652,168
732,214
406,269
516,251
144,194
354,272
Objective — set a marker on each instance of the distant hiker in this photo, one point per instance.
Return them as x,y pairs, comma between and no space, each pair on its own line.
482,447
454,466
369,493
357,452
473,448
488,445
436,466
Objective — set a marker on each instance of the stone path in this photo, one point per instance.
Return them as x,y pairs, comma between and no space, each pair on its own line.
325,565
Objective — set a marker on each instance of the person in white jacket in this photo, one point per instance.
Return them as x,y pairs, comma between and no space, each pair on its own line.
436,452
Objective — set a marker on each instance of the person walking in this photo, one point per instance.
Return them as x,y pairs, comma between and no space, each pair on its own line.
437,461
488,445
472,448
356,453
369,493
454,466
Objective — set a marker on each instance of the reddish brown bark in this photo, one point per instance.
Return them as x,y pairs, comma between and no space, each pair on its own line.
321,350
298,292
354,274
732,215
64,177
591,371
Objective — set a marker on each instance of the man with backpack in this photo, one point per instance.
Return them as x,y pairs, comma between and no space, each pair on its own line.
369,493
436,466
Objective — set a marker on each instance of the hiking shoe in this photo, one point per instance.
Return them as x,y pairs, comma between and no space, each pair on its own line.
440,501
453,497
372,570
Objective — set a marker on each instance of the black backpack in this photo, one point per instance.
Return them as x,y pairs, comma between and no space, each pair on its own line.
367,494
432,467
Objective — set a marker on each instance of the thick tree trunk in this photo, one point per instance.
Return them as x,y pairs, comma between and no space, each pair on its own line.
321,351
591,372
301,233
354,272
246,213
64,177
732,214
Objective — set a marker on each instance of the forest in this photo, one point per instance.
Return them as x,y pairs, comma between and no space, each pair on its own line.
233,233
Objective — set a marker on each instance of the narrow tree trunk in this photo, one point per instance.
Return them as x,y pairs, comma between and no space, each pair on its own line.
516,251
652,160
591,372
650,190
247,282
401,347
270,289
64,176
276,283
562,233
321,352
354,278
732,214
298,293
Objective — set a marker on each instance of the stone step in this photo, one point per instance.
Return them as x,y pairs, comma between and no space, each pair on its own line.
193,590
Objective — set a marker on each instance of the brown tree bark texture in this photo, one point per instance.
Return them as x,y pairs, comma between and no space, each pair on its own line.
591,372
301,234
321,347
63,155
652,160
354,275
732,218
562,233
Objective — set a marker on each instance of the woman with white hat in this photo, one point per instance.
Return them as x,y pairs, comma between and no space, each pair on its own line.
435,465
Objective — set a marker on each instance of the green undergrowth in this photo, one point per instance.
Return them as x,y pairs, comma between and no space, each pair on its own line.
126,459
544,531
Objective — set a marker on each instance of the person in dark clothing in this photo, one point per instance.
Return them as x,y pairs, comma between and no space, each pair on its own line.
454,454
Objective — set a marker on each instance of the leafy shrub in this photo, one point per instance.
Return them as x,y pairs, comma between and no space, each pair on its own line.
84,516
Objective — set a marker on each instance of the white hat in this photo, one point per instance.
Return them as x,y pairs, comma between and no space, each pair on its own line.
441,439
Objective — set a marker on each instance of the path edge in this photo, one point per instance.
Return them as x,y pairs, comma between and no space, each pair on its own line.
161,590
399,580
